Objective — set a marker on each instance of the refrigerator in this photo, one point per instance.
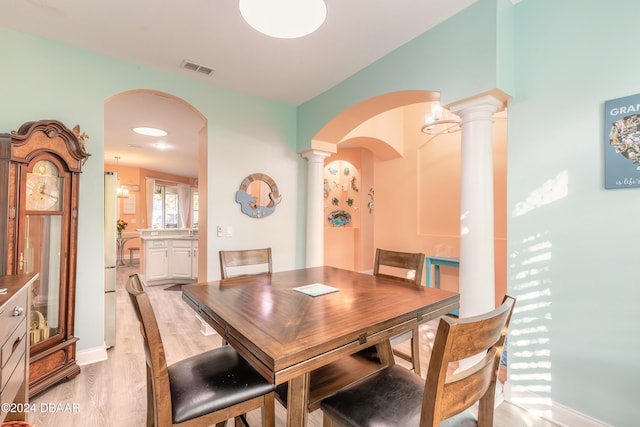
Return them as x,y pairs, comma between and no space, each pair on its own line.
110,256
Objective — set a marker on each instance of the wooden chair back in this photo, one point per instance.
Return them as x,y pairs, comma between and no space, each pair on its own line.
456,340
409,264
158,390
249,257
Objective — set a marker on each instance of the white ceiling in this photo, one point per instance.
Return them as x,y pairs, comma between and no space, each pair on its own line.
212,33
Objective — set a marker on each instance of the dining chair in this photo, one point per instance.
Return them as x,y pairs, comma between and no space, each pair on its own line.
202,390
243,258
407,267
397,397
256,261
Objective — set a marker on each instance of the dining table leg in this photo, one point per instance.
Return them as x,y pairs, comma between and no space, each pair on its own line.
297,398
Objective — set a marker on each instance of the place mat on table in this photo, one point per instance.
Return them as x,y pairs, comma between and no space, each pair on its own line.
316,289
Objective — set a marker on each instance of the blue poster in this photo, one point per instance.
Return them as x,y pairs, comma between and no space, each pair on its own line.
622,142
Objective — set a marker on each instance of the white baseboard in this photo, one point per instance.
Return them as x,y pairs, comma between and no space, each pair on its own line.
545,408
91,355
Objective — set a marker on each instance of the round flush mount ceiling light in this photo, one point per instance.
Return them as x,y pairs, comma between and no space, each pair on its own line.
150,131
284,19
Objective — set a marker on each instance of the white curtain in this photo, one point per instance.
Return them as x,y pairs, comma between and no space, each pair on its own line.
151,187
184,203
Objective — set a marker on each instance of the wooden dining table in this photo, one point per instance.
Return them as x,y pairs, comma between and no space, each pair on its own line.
290,337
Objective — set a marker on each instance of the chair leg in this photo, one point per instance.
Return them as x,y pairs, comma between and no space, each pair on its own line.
415,350
150,400
486,406
269,411
327,421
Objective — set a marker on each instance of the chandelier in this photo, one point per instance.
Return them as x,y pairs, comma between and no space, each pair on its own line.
440,121
122,192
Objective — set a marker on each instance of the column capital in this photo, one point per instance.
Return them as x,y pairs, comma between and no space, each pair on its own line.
494,98
313,155
486,103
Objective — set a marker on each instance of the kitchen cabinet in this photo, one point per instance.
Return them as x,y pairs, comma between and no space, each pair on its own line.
157,260
180,259
170,260
194,261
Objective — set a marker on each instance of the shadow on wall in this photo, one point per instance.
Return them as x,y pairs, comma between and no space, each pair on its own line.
529,349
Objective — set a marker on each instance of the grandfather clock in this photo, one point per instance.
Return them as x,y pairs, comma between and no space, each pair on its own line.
40,168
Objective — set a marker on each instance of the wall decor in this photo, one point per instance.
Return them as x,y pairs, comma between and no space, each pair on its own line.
129,205
339,218
622,142
342,198
258,195
354,185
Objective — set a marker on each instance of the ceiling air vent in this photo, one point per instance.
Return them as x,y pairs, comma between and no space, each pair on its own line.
190,65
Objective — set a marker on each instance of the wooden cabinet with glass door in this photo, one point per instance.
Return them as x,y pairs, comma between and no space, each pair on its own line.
40,167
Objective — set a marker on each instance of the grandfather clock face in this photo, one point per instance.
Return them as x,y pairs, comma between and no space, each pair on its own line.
44,187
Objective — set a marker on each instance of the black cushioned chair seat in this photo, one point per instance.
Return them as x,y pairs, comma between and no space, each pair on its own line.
211,381
389,398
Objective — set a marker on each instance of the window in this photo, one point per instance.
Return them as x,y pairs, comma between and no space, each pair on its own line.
165,207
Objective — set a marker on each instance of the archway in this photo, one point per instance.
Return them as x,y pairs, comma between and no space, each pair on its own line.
183,152
416,179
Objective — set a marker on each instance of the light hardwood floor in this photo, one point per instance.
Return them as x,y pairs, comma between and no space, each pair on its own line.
113,392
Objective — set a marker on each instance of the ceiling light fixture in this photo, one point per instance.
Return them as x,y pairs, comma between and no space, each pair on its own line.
150,131
440,121
123,193
284,19
161,146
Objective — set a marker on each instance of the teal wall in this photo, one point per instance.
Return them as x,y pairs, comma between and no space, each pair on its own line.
575,338
572,56
457,58
46,80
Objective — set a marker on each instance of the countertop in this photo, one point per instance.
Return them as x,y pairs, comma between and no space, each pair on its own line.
169,237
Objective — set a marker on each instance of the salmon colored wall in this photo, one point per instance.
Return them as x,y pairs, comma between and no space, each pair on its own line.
344,246
417,196
383,127
128,176
420,195
134,176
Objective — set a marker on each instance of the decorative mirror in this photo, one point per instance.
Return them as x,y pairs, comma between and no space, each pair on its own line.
258,195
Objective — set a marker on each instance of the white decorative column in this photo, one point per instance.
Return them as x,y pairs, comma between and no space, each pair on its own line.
477,255
315,206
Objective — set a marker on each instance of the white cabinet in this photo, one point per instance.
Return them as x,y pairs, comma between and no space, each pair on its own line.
194,261
156,260
181,259
172,259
